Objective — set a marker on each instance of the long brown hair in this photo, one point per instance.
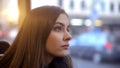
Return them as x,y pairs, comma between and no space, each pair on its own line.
27,50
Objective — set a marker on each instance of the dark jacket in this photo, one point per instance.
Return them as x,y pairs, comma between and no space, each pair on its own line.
58,63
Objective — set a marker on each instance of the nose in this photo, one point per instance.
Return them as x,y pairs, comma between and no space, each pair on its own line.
67,36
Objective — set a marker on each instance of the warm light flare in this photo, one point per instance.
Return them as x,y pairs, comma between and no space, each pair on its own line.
12,14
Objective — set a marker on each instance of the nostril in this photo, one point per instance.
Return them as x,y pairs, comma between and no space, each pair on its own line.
67,38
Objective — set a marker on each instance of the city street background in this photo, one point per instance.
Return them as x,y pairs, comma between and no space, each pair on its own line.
94,26
83,63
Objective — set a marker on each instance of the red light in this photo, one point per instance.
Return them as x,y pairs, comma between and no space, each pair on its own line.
7,34
108,45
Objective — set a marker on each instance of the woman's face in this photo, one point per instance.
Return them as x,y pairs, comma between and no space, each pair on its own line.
57,42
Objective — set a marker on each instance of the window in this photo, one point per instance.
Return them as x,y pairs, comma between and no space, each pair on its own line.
82,4
60,3
71,4
111,7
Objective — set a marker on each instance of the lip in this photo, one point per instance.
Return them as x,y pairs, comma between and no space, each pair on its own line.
66,46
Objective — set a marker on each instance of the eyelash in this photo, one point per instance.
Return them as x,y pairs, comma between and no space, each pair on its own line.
59,29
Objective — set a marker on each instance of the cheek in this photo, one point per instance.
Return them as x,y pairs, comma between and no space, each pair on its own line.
53,42
54,45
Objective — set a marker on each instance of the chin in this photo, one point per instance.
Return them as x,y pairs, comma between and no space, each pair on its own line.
63,54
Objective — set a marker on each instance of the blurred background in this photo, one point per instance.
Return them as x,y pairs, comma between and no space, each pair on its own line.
94,24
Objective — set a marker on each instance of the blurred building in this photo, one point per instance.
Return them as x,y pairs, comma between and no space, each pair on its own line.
104,9
92,13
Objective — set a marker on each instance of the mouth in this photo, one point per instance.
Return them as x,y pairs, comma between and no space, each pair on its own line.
65,47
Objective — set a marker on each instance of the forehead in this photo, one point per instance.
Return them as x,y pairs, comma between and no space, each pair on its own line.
62,18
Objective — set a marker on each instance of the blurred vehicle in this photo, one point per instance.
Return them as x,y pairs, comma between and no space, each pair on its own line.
97,45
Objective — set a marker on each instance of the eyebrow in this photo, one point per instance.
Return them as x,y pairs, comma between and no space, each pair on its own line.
61,24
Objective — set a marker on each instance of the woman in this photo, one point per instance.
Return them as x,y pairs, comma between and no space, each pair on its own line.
42,41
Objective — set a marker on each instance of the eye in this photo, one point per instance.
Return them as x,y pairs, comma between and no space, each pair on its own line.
58,28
